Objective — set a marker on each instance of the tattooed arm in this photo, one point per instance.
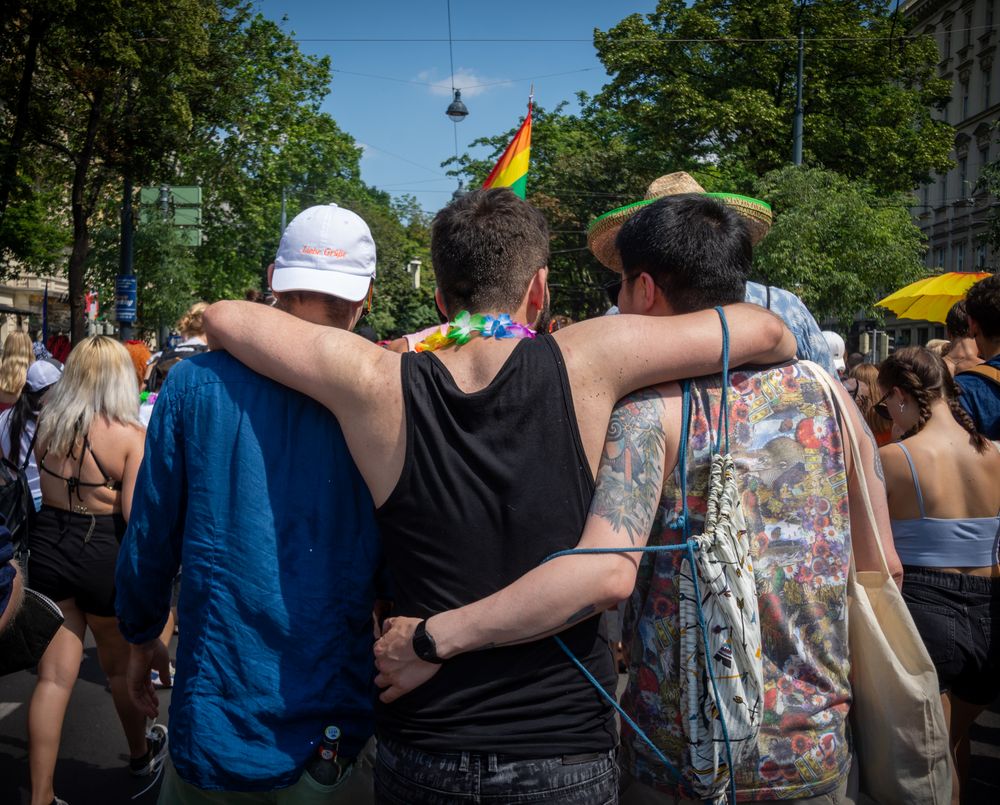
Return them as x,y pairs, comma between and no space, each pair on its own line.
566,590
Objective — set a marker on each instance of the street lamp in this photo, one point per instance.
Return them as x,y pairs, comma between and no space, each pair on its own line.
457,111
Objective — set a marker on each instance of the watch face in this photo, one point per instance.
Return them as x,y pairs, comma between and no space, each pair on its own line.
423,645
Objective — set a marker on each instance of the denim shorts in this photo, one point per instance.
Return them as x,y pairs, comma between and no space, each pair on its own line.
408,776
958,617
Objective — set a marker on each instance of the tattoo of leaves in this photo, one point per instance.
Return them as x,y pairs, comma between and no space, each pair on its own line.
630,476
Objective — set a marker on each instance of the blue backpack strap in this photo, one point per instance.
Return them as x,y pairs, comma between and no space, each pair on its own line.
724,403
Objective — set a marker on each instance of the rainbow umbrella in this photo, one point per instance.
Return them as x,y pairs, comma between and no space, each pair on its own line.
932,297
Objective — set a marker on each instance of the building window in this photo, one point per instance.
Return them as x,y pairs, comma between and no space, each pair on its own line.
947,43
989,13
981,255
960,257
938,258
965,100
946,111
939,331
968,29
963,177
984,157
921,336
987,89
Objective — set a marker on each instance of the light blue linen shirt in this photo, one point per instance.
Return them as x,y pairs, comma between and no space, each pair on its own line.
812,345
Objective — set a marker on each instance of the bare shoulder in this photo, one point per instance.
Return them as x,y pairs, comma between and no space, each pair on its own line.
893,462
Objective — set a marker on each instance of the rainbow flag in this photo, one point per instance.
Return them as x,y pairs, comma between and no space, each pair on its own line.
512,169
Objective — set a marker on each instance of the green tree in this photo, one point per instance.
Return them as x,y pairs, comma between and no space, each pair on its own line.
106,90
164,266
838,244
728,98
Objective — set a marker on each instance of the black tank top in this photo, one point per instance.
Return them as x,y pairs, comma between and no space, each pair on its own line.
492,483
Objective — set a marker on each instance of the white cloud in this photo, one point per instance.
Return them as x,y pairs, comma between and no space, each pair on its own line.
466,80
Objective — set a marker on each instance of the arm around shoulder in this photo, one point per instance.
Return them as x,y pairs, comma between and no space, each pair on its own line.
335,367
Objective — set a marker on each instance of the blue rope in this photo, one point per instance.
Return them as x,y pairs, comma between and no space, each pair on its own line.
689,546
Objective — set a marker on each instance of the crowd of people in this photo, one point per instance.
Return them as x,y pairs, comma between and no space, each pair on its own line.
388,539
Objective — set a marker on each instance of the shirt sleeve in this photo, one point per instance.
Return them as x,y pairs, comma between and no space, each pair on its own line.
150,554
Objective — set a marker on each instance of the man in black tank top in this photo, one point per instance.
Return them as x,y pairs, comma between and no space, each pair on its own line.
480,460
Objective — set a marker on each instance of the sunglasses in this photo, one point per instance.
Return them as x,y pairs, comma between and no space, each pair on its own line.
881,408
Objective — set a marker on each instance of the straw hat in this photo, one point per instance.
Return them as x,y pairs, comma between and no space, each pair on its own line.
603,230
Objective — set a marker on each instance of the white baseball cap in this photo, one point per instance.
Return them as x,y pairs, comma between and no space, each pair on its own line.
326,249
42,374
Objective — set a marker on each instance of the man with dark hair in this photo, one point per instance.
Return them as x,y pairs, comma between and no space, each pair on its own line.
962,353
514,235
981,384
480,460
804,511
251,484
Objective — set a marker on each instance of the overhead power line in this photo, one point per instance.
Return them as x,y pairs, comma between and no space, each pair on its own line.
671,41
467,86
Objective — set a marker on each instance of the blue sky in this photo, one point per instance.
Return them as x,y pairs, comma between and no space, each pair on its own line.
401,122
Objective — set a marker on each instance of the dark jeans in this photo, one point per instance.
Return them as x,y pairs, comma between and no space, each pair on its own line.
407,776
958,617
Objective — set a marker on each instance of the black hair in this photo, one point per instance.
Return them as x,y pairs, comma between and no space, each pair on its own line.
956,323
982,304
486,247
696,249
25,410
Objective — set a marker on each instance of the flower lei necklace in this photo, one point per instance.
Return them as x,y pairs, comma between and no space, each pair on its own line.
466,325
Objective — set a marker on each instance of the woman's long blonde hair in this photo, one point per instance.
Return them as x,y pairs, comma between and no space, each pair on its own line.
98,381
18,355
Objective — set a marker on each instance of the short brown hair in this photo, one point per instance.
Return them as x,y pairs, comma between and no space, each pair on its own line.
982,305
486,247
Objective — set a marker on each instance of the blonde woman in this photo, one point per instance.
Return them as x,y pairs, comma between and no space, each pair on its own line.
192,330
89,448
18,355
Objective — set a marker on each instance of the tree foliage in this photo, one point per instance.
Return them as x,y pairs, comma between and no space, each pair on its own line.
839,244
186,92
729,99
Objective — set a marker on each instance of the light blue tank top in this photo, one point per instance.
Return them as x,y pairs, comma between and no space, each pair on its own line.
940,542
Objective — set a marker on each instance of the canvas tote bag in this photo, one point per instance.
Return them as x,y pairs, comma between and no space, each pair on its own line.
897,721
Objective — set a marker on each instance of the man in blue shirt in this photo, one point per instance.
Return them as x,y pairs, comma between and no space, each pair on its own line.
981,384
250,485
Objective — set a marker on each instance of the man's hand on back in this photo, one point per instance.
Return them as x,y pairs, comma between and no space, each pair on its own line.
400,670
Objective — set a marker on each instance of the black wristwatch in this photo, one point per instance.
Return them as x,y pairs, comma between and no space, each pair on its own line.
423,644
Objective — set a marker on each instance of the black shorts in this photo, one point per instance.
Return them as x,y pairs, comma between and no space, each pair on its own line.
958,617
66,563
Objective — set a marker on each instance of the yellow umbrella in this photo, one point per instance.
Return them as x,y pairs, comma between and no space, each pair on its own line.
931,298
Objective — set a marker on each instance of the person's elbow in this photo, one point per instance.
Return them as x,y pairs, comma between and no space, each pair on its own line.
617,583
218,320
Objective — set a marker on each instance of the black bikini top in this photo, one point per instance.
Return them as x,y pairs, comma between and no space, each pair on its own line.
73,482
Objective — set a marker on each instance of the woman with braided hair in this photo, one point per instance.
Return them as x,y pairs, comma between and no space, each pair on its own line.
944,500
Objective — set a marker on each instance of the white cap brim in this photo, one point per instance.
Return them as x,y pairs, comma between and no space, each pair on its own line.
352,287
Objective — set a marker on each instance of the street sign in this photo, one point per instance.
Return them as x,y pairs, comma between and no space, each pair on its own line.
125,288
184,210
